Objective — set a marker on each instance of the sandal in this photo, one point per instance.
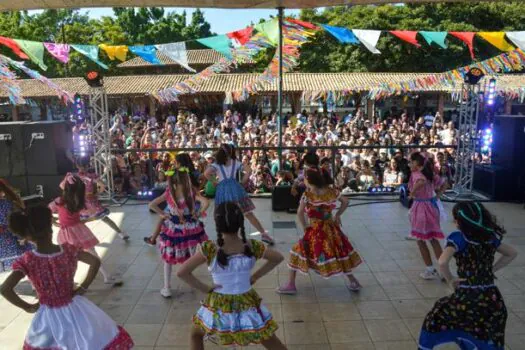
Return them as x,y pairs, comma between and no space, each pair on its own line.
354,286
149,241
286,290
267,239
123,235
114,280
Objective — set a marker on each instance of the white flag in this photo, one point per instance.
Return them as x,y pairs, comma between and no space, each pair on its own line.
177,52
369,38
518,38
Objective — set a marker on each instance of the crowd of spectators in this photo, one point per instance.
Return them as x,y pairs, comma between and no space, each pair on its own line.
381,163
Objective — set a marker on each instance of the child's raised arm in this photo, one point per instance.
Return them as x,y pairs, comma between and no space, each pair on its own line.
94,265
185,273
9,294
273,258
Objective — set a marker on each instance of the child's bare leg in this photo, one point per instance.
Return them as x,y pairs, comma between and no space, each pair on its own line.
425,253
197,339
156,233
257,224
289,287
115,227
273,343
436,245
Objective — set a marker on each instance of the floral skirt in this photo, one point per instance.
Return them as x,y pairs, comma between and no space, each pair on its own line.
238,319
471,317
178,239
78,235
324,249
424,221
10,249
94,210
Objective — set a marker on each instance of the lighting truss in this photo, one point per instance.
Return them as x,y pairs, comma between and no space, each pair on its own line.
99,120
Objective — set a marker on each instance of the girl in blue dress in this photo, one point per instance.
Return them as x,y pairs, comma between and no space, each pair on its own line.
474,316
224,172
10,246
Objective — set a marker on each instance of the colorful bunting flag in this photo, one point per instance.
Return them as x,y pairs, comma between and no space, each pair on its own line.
406,35
177,52
270,29
58,51
435,37
467,38
303,24
91,52
497,39
147,52
343,35
369,38
241,36
35,51
518,38
119,51
10,43
219,43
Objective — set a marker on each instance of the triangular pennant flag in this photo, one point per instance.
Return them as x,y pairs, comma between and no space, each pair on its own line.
518,38
220,43
343,35
147,52
58,51
177,52
119,51
467,38
35,51
10,43
270,29
406,35
369,38
435,37
497,39
304,24
91,52
241,36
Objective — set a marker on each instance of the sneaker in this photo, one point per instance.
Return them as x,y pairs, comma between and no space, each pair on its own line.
429,275
114,280
410,238
165,292
150,242
123,235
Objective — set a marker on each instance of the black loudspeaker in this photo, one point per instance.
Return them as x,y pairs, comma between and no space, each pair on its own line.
497,183
12,159
282,199
508,145
50,185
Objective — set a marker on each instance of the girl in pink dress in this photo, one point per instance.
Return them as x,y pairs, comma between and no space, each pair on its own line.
64,319
425,187
94,210
72,230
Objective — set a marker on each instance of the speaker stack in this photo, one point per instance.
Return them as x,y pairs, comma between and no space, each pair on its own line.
504,179
35,153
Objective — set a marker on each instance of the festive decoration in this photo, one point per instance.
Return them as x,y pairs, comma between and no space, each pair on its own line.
270,29
177,52
147,53
369,38
343,35
35,51
497,39
219,43
406,35
59,51
10,43
467,38
303,24
91,52
120,51
435,37
518,38
241,37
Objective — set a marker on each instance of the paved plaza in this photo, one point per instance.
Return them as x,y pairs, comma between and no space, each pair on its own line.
386,314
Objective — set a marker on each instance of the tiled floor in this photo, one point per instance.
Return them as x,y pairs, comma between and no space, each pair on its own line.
386,314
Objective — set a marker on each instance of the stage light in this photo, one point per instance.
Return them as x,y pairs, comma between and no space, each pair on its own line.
474,76
150,193
94,79
139,193
491,96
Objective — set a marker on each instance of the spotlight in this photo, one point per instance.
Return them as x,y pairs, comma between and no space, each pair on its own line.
139,193
94,79
474,76
491,96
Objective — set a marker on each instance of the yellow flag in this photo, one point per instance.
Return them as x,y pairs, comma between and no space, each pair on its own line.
120,51
497,39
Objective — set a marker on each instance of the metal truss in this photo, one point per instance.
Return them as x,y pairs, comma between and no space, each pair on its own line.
101,139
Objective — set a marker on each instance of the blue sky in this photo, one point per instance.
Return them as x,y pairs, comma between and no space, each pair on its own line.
221,20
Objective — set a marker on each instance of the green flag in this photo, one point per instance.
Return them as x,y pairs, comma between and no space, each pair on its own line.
220,43
35,51
270,29
435,37
91,52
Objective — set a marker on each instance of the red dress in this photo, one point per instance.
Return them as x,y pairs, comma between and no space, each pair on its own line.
65,321
72,230
324,248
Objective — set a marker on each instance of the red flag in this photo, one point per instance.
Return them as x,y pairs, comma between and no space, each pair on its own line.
10,43
307,25
406,35
467,38
242,36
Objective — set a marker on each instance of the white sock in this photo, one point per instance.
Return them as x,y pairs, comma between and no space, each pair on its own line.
167,275
431,268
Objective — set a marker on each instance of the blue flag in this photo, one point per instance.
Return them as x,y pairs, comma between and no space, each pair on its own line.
147,52
343,35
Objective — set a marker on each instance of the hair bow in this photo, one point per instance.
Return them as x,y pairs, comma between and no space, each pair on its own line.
69,178
184,169
169,173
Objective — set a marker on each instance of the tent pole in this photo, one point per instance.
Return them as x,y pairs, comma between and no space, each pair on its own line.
280,88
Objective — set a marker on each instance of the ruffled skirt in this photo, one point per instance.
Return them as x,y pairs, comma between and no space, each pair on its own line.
78,325
179,240
78,235
239,319
424,221
324,249
230,190
10,249
94,210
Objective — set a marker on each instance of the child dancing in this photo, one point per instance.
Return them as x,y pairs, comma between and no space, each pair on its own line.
425,187
232,312
182,230
72,230
93,209
474,316
225,170
64,319
10,246
324,248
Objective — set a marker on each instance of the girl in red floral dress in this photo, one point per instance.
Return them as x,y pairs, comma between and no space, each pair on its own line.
324,248
64,319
